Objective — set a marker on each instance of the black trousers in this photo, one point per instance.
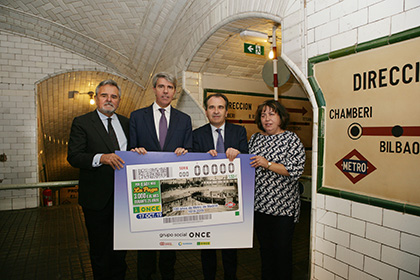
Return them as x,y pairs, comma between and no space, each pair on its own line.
209,263
107,263
146,264
275,234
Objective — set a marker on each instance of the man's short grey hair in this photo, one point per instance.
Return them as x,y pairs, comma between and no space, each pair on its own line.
170,78
108,82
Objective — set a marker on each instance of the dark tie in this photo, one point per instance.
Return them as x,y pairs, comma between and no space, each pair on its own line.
163,128
112,135
220,146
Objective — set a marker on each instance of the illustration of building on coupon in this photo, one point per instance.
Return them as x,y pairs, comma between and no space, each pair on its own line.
184,194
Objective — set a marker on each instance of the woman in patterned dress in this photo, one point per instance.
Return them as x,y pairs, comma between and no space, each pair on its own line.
279,161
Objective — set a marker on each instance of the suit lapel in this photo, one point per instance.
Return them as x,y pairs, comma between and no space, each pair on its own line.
124,127
208,138
150,124
99,127
228,136
172,125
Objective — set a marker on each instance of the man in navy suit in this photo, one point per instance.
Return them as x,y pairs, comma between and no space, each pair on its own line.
219,136
160,127
93,139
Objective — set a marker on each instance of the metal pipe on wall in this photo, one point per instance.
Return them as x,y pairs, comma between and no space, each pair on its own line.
274,46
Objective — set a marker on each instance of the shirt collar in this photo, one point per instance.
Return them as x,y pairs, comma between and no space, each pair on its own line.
157,107
105,117
213,128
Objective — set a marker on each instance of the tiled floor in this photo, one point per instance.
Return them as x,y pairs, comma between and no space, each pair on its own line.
51,243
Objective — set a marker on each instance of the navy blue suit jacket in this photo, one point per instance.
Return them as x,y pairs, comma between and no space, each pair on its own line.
89,137
143,131
235,137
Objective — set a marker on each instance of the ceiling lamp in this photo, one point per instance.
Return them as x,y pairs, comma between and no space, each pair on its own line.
254,36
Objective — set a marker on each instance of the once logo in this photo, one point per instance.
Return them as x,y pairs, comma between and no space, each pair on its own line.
355,166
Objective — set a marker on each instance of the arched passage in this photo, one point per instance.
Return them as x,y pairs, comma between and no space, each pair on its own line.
60,99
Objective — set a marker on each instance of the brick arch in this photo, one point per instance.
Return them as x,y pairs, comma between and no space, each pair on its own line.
212,19
194,45
57,109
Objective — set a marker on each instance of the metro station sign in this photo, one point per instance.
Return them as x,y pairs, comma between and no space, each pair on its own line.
369,110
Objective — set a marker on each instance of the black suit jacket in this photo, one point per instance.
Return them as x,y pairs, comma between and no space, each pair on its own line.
143,131
89,137
235,137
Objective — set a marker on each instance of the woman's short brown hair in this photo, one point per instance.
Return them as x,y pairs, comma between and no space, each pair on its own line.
278,108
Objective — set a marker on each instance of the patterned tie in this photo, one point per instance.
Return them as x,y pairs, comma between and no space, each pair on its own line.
112,135
220,146
163,128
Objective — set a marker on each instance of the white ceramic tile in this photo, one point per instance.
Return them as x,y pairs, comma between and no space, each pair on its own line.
365,246
403,222
410,243
383,235
385,9
338,205
337,236
355,274
350,257
380,270
324,246
351,225
403,260
323,274
367,212
337,267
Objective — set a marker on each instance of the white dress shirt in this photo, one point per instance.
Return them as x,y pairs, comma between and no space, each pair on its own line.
157,114
122,140
216,135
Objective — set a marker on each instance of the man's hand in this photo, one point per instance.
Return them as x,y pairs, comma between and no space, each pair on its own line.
113,160
141,150
213,153
180,151
231,153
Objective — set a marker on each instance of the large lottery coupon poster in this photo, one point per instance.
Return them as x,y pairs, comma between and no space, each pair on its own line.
164,201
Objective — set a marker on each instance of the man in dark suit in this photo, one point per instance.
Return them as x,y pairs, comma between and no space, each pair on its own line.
93,139
160,127
219,136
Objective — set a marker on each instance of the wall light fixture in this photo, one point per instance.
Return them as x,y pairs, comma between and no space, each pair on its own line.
254,36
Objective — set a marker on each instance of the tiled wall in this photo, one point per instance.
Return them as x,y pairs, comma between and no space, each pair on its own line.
24,62
202,18
359,241
188,102
333,24
353,240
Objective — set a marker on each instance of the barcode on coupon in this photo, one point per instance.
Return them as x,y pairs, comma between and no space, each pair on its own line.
187,218
152,173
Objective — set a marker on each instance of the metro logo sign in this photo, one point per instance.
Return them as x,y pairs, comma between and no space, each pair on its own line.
355,166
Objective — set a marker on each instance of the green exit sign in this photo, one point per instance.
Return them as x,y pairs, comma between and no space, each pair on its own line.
253,49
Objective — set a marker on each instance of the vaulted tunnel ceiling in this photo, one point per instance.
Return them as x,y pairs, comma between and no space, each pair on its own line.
126,36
